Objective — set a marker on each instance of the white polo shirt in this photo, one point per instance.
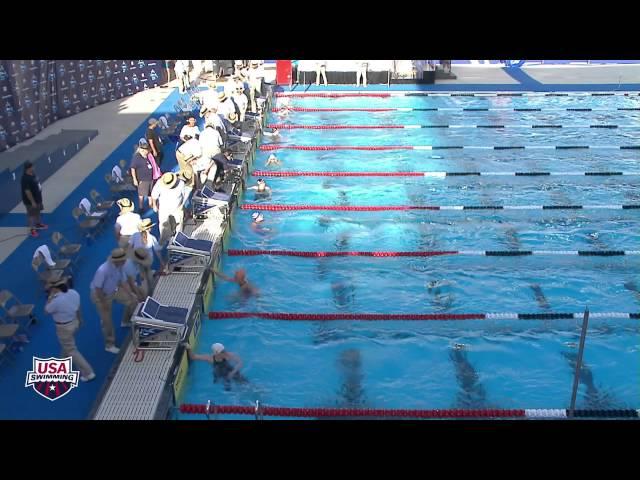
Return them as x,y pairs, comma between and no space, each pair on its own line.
211,143
152,242
191,148
64,306
128,223
170,199
188,130
181,66
215,120
226,107
209,97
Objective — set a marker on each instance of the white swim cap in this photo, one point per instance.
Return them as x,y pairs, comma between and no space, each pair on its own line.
217,348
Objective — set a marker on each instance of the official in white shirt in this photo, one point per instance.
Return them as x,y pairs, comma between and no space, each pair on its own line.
137,269
241,100
143,238
181,68
168,196
225,105
187,154
110,283
190,130
63,305
255,83
211,143
126,223
321,69
361,72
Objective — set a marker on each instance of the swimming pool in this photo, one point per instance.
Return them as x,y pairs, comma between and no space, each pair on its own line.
491,363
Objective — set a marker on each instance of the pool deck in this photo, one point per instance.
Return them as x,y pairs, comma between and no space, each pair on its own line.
121,124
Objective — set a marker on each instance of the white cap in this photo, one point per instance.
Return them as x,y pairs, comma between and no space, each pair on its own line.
217,348
257,216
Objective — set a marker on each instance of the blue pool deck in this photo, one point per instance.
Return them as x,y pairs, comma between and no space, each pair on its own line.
18,402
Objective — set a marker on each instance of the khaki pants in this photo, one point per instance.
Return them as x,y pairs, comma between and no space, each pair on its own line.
66,337
166,232
184,165
104,310
147,280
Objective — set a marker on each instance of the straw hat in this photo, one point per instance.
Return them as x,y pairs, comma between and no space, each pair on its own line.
57,283
125,205
145,225
141,257
232,116
186,175
255,63
222,96
169,179
118,254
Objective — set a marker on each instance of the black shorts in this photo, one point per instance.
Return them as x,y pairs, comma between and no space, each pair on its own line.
144,188
33,211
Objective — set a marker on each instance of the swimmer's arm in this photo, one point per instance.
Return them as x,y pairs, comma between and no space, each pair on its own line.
197,356
252,188
223,276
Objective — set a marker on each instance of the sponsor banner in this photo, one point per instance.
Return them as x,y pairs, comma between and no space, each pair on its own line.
35,93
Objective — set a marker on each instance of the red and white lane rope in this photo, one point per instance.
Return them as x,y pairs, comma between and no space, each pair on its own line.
457,109
266,173
282,146
362,93
322,412
379,208
285,126
433,253
306,317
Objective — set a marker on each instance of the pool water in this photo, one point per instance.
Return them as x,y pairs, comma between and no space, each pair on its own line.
443,364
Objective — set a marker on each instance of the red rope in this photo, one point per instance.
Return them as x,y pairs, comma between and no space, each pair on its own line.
345,208
290,253
354,412
332,95
306,109
285,126
264,173
347,316
277,146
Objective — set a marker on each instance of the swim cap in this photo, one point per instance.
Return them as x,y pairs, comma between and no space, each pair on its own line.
217,348
257,216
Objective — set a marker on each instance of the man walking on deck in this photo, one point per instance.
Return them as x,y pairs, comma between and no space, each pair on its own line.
32,198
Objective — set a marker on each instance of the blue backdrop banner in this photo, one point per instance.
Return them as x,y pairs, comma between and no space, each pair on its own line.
36,93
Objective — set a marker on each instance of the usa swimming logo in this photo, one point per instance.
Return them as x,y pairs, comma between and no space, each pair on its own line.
52,378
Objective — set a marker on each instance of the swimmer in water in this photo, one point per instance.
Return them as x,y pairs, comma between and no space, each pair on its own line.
240,277
274,134
257,226
343,294
284,110
261,188
441,301
226,365
273,160
324,221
